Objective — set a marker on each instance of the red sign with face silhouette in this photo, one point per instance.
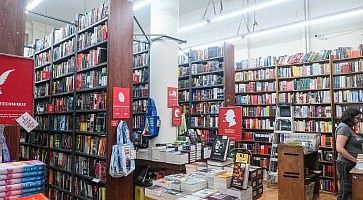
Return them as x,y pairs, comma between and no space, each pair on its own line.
230,122
172,97
176,119
121,103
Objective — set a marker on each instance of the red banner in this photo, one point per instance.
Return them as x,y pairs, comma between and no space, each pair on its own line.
172,97
16,87
121,103
176,119
230,122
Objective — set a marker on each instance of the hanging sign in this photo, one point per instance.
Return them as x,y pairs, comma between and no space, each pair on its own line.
27,122
16,87
176,118
230,122
121,103
172,97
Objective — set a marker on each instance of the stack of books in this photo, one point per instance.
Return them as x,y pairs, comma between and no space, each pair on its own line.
19,179
193,184
360,162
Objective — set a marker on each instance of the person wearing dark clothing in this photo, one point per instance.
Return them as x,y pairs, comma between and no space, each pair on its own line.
348,146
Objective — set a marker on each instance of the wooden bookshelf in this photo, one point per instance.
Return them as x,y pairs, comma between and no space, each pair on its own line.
217,65
92,70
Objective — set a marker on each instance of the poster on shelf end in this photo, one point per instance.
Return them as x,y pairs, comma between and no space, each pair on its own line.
230,122
176,118
121,103
172,97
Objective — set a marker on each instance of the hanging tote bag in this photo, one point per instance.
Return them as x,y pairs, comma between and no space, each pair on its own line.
122,157
152,121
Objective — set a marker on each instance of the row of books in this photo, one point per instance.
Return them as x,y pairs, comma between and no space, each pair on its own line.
140,46
140,75
139,106
95,15
207,80
313,126
183,71
89,190
91,101
92,122
183,84
37,138
183,95
43,58
32,153
60,160
62,104
43,122
206,108
327,170
206,135
61,141
208,94
348,81
326,141
348,67
305,84
63,32
256,99
91,167
305,70
59,179
92,58
313,111
43,43
255,87
140,91
351,96
327,185
347,52
183,58
258,148
41,90
42,74
63,85
141,60
312,97
304,57
91,79
41,106
263,111
255,136
65,49
255,63
92,145
138,121
63,68
210,66
255,75
261,162
257,123
62,122
205,121
340,109
99,34
59,195
203,54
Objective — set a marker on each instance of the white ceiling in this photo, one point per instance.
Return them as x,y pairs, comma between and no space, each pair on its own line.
191,11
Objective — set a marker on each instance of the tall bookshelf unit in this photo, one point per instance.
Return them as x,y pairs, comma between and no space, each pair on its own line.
205,84
75,77
141,87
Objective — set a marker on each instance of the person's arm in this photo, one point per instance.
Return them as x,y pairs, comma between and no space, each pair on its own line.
340,143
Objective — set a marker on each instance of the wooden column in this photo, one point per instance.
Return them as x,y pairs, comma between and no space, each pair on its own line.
120,57
229,73
12,33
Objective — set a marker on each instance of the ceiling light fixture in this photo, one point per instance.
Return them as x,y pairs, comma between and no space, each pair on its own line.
313,21
33,4
245,10
141,4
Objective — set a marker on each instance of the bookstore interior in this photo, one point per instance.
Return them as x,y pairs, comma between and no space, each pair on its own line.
181,99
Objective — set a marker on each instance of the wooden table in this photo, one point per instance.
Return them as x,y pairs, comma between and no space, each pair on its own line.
357,176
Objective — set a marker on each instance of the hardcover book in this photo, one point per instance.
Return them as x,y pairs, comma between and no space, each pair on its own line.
220,148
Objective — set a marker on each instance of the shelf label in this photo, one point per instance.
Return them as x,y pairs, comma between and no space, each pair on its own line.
230,122
16,87
121,103
172,97
27,122
176,118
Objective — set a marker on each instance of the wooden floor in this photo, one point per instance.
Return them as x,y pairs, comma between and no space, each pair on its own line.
271,194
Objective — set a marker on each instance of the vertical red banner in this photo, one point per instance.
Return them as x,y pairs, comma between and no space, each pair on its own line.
176,118
16,87
121,103
172,97
230,122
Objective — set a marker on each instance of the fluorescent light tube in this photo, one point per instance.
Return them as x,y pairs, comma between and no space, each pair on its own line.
141,4
248,9
194,26
33,4
318,20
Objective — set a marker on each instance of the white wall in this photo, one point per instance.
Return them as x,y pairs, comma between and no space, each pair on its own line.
37,30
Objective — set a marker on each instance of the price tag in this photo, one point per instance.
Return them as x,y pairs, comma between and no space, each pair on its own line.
27,122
